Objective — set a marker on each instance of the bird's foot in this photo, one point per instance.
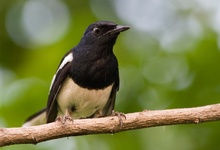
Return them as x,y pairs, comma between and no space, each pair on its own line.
119,115
64,119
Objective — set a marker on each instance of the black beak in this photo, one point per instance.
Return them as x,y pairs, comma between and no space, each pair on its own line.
118,29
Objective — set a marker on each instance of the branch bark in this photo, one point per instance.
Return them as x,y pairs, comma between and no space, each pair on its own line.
111,124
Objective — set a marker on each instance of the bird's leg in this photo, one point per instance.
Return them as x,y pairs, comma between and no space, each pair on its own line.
66,117
119,115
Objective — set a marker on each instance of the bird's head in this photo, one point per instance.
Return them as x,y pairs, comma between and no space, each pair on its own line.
102,33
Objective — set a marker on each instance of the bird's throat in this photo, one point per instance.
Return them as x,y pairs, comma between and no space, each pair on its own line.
96,74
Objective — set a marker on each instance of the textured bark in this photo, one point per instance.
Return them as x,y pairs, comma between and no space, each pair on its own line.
137,120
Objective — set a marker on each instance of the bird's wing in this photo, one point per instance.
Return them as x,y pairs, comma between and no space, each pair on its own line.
109,107
58,79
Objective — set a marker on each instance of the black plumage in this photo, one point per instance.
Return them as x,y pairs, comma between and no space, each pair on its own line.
87,78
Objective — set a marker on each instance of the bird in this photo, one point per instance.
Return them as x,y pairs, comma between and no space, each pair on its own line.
86,80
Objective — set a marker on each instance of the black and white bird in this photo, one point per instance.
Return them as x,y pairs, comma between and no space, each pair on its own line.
87,79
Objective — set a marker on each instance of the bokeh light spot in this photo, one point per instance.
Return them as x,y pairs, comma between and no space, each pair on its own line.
37,22
170,72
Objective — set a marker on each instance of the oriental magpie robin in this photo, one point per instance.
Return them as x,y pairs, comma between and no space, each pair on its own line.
87,79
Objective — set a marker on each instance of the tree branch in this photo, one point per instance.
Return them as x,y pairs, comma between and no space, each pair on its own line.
145,119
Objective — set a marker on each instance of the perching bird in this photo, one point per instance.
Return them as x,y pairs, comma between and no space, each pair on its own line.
87,79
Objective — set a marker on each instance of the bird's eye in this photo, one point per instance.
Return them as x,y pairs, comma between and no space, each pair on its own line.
97,31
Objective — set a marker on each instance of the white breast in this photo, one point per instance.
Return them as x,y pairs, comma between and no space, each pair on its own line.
86,102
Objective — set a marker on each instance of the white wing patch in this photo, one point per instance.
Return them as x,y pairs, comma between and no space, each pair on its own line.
67,59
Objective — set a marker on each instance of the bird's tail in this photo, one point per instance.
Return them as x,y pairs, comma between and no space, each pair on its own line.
36,119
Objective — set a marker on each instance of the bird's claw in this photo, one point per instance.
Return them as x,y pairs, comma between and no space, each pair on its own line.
119,115
63,119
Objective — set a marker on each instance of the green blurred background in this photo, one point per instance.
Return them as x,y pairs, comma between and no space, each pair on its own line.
170,58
